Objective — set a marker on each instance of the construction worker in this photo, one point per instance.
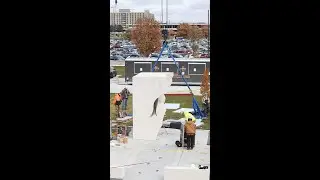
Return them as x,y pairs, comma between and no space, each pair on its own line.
117,103
188,115
190,130
125,95
206,103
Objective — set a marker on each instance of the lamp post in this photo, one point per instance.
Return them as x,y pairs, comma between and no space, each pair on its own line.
161,11
167,12
114,15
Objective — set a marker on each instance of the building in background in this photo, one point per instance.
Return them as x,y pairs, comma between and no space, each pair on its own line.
174,26
126,18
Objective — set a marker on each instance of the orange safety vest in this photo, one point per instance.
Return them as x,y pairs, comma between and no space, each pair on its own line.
117,97
190,127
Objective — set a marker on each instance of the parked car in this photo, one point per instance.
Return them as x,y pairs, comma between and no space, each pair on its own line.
116,58
154,55
204,56
175,55
125,55
134,55
113,72
181,52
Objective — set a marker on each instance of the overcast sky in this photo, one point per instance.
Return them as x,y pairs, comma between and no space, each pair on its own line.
179,10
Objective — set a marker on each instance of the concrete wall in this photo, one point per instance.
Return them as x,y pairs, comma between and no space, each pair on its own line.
193,78
147,87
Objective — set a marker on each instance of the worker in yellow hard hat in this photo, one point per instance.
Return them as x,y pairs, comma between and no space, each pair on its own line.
188,115
189,118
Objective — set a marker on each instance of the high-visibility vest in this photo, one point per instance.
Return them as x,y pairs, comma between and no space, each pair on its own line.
116,98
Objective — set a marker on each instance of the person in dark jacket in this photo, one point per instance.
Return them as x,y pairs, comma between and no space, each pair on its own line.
206,104
125,93
190,129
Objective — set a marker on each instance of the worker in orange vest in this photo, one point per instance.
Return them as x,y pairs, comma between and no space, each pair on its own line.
190,130
117,102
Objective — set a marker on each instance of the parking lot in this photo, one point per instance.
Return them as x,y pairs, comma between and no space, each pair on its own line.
122,49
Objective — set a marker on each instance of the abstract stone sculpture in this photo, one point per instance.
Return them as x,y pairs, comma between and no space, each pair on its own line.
147,88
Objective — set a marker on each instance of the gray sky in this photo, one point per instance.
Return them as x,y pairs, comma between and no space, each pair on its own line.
179,10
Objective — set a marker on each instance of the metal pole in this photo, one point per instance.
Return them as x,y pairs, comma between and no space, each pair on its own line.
167,12
113,19
115,10
161,11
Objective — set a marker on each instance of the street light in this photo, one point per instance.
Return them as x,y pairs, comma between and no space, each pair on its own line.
167,12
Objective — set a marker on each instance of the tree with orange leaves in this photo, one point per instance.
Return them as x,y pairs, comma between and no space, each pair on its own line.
146,36
205,91
205,87
184,30
194,35
171,33
205,32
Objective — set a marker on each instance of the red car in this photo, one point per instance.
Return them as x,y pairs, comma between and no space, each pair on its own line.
204,56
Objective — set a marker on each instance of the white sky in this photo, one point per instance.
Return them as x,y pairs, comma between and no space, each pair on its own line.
179,10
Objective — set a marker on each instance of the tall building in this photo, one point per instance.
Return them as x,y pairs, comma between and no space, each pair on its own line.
126,18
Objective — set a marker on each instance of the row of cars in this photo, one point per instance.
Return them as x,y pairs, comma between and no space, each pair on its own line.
122,49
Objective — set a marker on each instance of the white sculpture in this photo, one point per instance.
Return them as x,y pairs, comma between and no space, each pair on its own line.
148,103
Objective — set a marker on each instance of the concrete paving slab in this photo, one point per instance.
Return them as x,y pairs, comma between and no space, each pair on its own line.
185,173
116,88
172,105
144,160
117,63
184,110
124,118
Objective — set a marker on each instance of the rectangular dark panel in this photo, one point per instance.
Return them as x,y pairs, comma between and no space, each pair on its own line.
196,68
168,67
142,67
